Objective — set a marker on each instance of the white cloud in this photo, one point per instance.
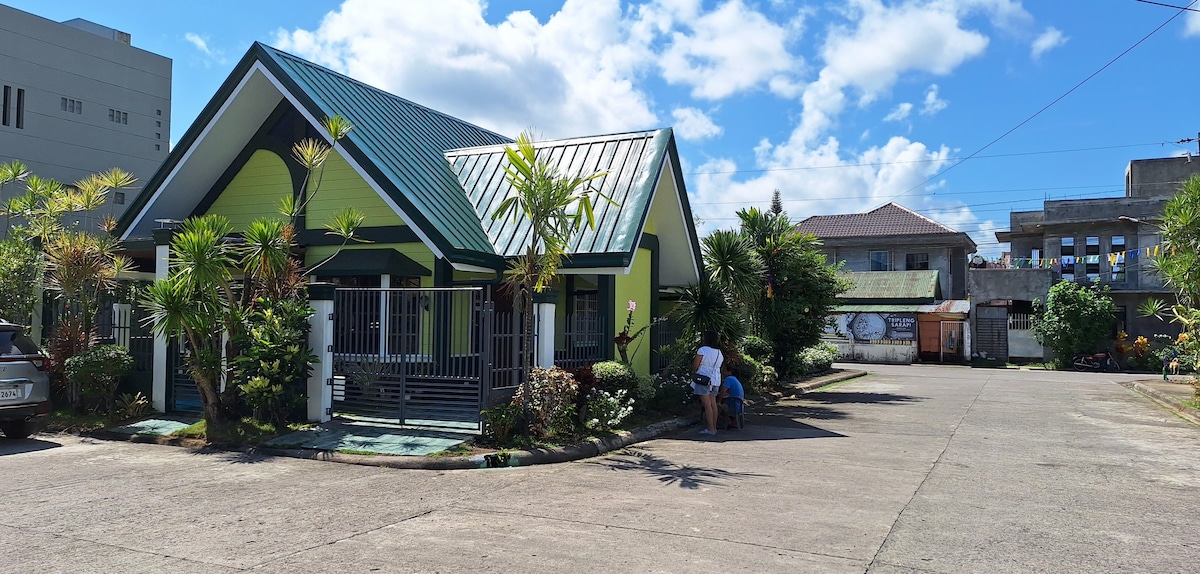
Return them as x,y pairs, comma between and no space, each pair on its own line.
729,50
693,124
198,42
933,104
573,74
884,42
900,113
1192,23
211,56
1048,40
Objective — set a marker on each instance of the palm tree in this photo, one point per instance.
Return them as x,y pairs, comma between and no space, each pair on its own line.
556,206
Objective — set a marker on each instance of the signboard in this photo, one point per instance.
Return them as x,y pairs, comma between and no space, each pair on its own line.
863,327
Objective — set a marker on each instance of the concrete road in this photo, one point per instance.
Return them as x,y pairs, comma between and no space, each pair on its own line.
911,469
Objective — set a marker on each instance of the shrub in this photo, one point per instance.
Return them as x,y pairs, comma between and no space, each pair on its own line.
758,348
550,396
607,410
274,361
817,358
614,376
97,372
131,406
672,391
500,421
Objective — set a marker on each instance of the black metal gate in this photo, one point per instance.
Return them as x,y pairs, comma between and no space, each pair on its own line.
417,357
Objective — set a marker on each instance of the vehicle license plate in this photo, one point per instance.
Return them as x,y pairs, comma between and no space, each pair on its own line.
10,393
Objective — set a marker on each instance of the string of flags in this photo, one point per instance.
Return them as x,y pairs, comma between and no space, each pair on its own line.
1115,258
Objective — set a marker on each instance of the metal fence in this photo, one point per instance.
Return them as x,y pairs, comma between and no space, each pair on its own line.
579,348
422,357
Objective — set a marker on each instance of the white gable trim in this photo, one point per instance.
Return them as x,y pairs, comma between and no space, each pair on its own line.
259,68
668,171
183,161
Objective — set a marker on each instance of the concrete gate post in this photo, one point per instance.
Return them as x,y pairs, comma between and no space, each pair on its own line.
543,321
162,262
320,343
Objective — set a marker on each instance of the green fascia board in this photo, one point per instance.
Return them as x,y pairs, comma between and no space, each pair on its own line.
384,260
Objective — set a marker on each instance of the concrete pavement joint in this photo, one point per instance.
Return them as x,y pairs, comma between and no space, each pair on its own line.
662,532
119,547
928,473
344,538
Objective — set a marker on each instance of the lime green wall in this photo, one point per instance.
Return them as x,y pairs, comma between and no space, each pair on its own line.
342,187
650,228
255,191
636,287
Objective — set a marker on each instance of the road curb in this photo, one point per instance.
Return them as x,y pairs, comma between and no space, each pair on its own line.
1171,403
500,459
825,380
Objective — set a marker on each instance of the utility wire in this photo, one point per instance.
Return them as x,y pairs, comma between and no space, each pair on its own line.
930,160
1169,5
1047,106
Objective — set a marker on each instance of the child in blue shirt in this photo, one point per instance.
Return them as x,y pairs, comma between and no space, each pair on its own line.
732,395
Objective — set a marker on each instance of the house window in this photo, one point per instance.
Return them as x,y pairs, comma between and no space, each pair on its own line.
585,313
157,136
117,116
879,261
1117,258
20,108
1067,251
157,147
159,112
916,261
158,123
4,110
1091,250
119,198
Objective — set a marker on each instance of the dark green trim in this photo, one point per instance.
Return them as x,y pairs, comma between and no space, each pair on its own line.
381,261
606,300
163,236
266,138
137,245
681,187
548,295
321,291
385,234
650,243
443,274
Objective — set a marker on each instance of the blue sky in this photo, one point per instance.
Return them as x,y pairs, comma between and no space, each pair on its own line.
841,105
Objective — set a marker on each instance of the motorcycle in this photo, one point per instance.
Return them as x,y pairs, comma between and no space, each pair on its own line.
1095,362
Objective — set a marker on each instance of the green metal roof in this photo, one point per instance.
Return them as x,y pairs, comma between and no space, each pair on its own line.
404,143
632,162
892,287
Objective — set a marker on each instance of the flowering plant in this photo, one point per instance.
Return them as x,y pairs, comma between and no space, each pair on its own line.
626,337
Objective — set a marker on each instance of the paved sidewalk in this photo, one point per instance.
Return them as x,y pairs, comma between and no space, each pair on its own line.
1175,394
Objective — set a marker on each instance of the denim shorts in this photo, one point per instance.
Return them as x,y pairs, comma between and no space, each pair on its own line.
709,390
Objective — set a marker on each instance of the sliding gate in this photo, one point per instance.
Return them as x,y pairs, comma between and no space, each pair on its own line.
419,357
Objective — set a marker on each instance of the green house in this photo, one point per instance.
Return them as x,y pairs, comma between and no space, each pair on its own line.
428,184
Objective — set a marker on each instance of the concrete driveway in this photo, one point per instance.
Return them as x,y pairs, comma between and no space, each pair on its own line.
911,469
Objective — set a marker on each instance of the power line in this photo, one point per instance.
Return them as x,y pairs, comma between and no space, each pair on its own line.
949,193
1049,105
885,163
1168,5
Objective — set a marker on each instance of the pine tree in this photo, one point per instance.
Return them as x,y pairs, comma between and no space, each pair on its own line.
776,203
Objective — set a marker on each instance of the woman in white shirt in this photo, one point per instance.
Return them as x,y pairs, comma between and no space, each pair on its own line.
708,364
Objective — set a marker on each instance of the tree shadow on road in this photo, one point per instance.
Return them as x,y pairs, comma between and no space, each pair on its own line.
843,397
233,457
670,473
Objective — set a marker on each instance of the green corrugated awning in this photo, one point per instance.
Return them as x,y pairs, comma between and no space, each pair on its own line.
877,308
353,262
892,288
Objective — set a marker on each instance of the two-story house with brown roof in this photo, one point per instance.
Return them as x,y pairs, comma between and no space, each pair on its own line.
895,238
